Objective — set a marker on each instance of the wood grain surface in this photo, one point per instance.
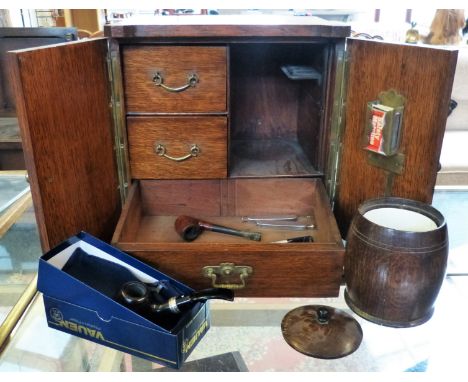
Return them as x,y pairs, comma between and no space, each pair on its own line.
177,134
265,102
306,269
424,75
240,26
175,64
283,270
393,276
269,158
275,121
66,127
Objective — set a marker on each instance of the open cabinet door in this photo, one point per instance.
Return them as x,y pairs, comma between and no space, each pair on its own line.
423,76
63,97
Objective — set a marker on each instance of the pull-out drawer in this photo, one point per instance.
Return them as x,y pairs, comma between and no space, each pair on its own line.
253,268
177,147
175,79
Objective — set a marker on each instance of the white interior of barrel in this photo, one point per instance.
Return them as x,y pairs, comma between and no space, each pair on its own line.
401,219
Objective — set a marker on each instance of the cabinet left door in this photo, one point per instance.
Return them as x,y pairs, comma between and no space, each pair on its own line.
63,105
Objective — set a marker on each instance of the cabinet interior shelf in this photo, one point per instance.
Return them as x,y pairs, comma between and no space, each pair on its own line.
269,157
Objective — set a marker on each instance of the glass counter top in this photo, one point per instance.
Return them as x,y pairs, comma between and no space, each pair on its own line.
249,331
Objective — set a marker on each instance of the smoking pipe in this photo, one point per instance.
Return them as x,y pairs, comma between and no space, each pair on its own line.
174,304
138,294
190,228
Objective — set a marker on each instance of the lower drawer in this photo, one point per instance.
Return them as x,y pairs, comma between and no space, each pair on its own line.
177,147
252,268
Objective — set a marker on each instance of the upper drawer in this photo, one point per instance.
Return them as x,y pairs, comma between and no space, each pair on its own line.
175,79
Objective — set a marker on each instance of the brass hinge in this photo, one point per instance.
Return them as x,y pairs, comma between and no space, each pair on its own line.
109,67
337,123
118,117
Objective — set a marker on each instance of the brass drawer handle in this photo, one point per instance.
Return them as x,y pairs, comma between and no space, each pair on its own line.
160,149
192,80
224,270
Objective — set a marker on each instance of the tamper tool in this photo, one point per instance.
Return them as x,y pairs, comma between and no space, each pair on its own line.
299,239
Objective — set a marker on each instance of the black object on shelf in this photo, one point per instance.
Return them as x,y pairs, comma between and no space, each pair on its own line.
301,72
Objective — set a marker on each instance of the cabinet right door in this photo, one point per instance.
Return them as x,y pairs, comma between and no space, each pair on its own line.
423,75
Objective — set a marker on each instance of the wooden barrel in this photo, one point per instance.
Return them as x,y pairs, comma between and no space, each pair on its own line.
395,261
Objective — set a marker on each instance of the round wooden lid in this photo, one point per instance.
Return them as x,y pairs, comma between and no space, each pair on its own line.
321,331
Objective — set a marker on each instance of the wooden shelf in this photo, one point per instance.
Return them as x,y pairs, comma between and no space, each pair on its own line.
266,158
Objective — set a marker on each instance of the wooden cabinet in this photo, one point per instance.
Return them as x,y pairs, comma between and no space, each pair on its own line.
256,117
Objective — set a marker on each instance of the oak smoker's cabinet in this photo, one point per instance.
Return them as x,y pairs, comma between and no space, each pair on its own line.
220,117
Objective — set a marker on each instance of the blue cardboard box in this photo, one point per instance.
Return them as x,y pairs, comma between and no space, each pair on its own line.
76,308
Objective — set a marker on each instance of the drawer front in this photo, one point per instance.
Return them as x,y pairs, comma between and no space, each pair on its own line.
262,272
177,147
175,79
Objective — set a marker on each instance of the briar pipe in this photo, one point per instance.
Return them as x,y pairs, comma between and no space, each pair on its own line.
175,304
190,228
139,294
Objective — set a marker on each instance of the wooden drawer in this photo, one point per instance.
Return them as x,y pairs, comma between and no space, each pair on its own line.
177,147
175,64
146,230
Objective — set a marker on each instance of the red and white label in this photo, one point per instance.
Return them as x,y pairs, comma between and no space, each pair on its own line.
376,135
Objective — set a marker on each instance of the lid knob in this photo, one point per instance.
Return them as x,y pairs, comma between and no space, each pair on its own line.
323,315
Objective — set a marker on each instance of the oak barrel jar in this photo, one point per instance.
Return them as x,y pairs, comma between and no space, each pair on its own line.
395,261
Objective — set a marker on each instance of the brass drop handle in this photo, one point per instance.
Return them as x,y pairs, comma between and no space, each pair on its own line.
227,269
192,80
160,149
